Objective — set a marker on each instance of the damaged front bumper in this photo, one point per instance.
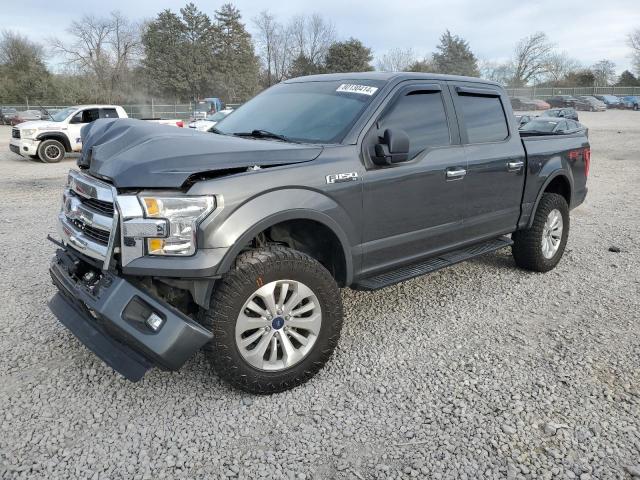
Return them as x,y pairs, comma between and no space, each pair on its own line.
110,315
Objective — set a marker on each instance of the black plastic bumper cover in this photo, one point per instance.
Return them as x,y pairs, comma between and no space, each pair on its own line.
98,318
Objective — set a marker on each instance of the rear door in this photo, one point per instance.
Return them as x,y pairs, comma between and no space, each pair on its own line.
414,208
495,160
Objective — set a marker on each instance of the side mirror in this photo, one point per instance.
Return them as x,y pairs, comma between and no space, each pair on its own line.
76,119
392,148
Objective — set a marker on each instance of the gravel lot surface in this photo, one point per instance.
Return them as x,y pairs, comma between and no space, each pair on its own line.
478,371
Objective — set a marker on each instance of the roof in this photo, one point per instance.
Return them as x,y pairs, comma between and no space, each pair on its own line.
95,105
387,77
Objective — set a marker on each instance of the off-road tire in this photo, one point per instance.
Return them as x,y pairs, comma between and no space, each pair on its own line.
251,270
44,151
527,244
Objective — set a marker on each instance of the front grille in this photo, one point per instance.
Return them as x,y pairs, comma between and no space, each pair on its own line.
96,234
99,205
15,133
87,217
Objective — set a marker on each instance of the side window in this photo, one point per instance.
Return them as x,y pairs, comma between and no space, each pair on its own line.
108,113
422,116
484,118
90,115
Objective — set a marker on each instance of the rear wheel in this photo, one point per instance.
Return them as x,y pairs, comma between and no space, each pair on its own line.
276,319
541,247
51,151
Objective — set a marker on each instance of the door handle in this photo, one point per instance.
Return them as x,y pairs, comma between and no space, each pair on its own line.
455,173
515,166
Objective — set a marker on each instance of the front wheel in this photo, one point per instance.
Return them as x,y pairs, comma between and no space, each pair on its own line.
540,247
276,318
51,151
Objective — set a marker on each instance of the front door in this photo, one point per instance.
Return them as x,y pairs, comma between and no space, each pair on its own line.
79,120
496,161
414,208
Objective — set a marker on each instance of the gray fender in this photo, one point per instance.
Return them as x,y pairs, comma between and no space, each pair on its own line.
274,207
552,176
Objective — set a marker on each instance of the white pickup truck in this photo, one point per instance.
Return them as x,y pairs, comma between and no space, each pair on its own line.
49,140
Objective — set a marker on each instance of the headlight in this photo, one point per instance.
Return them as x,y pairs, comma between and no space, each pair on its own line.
28,132
183,215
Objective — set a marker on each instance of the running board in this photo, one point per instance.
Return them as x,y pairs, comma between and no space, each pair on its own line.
431,264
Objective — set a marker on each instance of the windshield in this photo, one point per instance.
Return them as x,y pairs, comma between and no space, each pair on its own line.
539,126
62,114
216,117
315,112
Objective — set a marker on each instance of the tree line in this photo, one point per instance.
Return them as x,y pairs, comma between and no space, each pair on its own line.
187,55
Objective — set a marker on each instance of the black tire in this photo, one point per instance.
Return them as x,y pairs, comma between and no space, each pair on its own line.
51,151
253,269
635,107
527,244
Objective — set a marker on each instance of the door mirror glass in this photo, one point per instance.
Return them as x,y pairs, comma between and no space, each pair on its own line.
393,147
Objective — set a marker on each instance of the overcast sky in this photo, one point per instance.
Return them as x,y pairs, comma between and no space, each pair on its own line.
588,30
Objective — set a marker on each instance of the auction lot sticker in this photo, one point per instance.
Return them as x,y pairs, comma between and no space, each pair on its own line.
361,89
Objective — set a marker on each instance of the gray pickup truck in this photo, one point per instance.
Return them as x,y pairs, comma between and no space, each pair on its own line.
237,241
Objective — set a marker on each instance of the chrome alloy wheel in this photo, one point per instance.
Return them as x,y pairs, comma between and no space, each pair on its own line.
552,234
278,325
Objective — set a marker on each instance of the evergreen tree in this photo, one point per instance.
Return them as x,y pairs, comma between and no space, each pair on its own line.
627,79
179,59
455,57
302,65
236,67
348,56
23,72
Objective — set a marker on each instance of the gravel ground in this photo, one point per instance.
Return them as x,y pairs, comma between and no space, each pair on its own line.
478,371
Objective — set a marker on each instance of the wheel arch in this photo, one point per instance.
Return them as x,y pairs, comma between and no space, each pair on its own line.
61,137
314,219
557,182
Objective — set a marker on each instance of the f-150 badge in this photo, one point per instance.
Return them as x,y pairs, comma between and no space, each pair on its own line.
342,177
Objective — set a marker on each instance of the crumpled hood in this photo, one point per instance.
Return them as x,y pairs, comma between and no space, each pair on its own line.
138,154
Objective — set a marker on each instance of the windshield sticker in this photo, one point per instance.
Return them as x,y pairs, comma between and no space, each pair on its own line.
361,89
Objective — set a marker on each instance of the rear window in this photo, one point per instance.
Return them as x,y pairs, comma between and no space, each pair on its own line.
484,118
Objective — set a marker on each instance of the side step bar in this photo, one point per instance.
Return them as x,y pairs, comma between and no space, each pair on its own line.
431,264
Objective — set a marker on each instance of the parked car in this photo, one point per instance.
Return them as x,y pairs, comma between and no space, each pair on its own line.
210,121
631,102
549,126
26,116
541,104
561,112
523,119
523,103
560,101
49,140
238,242
611,101
6,115
595,105
207,106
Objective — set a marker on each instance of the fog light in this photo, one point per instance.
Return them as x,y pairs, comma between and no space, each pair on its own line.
154,322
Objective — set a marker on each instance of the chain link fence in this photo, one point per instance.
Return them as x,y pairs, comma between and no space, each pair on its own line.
546,92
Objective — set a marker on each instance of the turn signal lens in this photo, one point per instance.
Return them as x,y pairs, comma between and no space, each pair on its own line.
153,209
155,245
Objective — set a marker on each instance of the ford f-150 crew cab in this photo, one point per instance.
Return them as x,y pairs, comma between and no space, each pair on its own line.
238,241
49,140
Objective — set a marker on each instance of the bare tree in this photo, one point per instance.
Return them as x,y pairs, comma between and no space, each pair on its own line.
496,71
273,43
604,73
396,60
102,48
311,36
559,65
634,43
531,59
